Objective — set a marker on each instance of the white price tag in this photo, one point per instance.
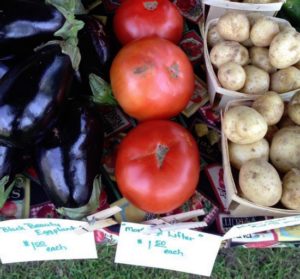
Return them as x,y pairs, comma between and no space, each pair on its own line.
23,240
181,250
244,229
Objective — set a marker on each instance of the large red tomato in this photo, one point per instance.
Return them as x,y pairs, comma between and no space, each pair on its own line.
157,167
136,19
152,78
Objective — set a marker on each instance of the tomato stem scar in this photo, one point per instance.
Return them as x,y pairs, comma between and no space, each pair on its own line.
140,69
174,70
150,5
161,152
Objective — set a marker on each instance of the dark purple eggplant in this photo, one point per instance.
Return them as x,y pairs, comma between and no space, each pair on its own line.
95,48
9,61
25,24
69,157
32,94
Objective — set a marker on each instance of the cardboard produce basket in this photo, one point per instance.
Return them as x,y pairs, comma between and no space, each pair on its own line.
215,90
237,205
215,8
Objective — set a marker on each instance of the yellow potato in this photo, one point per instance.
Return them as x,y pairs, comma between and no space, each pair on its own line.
285,80
263,31
294,108
232,76
244,125
284,49
259,57
291,189
226,51
257,80
234,26
260,182
285,149
213,37
241,153
270,106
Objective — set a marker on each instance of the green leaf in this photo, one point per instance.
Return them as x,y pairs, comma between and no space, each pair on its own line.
88,209
70,48
69,31
5,191
102,93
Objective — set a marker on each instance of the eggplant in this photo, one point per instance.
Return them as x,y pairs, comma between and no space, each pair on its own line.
9,61
10,161
32,95
95,48
25,24
69,157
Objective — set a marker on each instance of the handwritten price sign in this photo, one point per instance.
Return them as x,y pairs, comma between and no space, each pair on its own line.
184,250
44,239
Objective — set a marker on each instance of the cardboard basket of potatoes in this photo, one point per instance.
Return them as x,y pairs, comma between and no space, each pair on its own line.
215,8
261,155
247,55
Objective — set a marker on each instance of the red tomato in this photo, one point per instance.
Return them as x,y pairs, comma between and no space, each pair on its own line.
152,78
157,167
136,19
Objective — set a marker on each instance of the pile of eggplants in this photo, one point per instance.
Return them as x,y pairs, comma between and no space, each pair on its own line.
45,109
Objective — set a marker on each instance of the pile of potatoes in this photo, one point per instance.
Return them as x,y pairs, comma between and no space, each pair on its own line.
264,147
253,54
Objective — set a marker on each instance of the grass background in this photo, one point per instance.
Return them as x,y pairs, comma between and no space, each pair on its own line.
231,263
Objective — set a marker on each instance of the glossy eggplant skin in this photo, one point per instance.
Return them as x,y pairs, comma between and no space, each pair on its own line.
25,24
10,161
32,95
95,48
69,157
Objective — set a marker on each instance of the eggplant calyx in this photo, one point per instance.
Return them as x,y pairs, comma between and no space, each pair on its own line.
102,92
88,209
72,25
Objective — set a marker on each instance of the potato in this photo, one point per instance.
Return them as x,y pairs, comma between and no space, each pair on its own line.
284,49
294,108
257,80
285,26
234,26
285,80
241,153
263,31
270,106
213,37
224,52
291,189
260,182
232,76
259,57
244,125
253,17
285,149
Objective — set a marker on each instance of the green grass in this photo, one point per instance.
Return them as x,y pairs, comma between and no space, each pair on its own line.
231,263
